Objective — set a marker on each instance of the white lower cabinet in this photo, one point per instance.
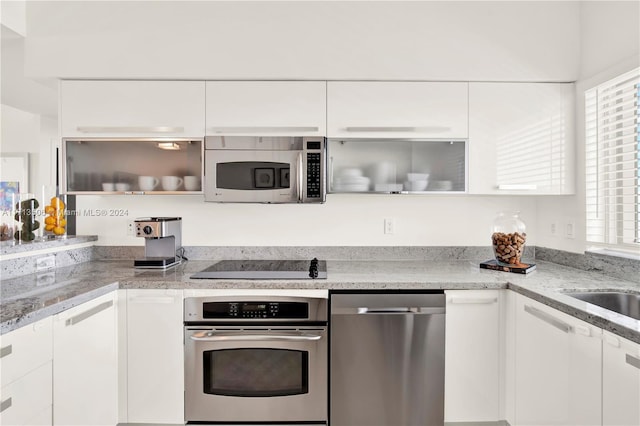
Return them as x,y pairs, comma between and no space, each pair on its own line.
25,375
155,356
27,400
620,381
85,366
558,367
472,356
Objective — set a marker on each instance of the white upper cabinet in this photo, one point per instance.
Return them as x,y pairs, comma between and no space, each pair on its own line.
266,108
132,108
397,110
521,138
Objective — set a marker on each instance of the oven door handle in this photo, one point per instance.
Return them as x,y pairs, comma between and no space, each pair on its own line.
209,336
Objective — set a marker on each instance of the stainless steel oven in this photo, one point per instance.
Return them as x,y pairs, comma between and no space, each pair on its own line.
255,169
256,360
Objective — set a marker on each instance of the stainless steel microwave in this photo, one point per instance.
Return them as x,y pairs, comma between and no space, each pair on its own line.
253,169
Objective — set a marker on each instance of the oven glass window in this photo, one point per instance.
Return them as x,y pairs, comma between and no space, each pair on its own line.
256,372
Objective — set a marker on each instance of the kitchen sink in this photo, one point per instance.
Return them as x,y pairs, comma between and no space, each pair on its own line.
623,303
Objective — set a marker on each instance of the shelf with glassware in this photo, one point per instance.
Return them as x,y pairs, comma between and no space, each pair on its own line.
138,166
397,166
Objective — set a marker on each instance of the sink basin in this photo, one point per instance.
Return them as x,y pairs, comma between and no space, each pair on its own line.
623,303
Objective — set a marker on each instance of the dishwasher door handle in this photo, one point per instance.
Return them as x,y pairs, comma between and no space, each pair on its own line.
401,310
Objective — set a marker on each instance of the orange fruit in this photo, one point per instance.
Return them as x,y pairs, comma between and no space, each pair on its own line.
49,227
62,222
57,203
58,230
49,220
49,209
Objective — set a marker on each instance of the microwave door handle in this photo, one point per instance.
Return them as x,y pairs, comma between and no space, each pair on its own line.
238,337
300,181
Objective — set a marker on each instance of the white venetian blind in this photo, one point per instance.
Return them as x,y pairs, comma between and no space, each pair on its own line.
612,162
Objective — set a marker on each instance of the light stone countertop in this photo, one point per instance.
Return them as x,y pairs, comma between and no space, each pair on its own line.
26,299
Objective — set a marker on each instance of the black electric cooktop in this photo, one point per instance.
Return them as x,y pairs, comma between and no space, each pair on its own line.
265,270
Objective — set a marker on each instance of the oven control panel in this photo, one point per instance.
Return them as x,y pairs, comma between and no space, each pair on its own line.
255,310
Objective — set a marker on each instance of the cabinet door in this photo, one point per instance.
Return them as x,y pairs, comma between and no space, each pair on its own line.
473,359
27,401
558,367
266,108
397,110
25,349
132,108
620,381
155,382
85,364
521,138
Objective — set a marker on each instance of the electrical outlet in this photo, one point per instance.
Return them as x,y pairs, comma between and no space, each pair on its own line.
554,228
46,262
571,230
131,228
389,225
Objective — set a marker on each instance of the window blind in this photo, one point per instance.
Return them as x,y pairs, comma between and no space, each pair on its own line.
612,166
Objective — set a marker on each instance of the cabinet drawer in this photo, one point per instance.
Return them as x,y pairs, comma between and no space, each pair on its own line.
23,401
25,349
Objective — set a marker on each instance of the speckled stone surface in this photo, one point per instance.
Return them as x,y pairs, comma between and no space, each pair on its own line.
26,264
615,266
29,298
8,247
447,253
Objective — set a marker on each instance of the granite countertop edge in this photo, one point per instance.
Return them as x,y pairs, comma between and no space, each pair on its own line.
547,285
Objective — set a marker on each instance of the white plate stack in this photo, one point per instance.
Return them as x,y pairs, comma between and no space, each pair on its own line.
351,180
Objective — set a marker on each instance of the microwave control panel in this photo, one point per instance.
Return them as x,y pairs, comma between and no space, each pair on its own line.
314,150
255,310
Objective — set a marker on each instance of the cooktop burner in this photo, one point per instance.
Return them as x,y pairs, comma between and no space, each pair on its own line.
265,270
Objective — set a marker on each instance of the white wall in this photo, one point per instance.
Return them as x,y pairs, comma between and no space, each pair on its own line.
26,132
493,41
344,220
427,40
610,34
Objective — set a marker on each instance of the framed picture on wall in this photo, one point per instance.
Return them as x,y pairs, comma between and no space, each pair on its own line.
14,177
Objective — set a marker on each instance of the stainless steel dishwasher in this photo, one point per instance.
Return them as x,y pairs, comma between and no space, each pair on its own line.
387,359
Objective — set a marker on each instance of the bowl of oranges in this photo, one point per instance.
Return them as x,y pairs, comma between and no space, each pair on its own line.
55,222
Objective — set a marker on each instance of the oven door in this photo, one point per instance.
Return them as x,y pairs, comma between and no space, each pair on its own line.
256,374
253,176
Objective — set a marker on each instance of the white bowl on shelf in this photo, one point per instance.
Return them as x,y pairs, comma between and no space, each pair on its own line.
415,177
416,185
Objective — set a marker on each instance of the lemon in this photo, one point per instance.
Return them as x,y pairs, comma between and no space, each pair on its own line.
62,222
49,220
49,228
58,230
49,209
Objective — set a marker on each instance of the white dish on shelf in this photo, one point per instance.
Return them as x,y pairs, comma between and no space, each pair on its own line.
416,185
388,187
441,185
351,188
411,177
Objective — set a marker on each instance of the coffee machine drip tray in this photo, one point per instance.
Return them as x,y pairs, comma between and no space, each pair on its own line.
155,262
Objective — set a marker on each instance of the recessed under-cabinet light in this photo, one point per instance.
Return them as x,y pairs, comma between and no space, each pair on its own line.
172,146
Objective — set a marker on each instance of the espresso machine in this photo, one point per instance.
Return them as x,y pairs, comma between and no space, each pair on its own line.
163,242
